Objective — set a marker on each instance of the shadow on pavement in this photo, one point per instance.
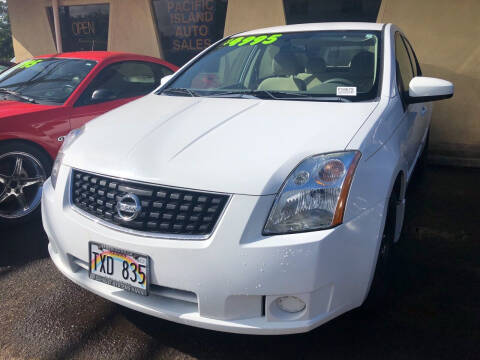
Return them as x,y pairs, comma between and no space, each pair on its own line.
23,243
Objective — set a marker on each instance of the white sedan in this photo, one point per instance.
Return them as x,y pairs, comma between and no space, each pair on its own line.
259,190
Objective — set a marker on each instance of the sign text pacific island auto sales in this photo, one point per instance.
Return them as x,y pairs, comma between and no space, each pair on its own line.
186,27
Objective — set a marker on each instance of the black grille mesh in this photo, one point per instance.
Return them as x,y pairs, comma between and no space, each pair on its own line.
164,210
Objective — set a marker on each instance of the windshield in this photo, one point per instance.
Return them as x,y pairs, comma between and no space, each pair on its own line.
320,65
44,80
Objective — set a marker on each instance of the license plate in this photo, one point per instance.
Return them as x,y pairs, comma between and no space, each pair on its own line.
123,269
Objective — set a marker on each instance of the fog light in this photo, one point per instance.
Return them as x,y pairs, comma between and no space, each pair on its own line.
290,304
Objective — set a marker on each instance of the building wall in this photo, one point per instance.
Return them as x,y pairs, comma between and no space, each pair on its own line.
30,28
446,37
131,26
252,14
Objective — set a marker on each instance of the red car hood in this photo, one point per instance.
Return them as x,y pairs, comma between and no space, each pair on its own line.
11,108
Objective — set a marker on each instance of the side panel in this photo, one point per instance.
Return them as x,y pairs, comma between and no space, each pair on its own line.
42,128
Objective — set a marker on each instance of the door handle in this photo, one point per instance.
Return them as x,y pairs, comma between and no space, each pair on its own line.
424,110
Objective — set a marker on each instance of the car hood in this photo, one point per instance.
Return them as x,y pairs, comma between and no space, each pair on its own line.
12,108
242,146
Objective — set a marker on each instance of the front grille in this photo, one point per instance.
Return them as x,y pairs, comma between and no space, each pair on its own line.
164,210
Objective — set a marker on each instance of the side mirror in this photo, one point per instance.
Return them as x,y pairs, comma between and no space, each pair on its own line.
165,79
103,95
425,89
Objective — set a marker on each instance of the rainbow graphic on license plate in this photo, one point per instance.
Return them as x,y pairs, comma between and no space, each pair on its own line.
119,268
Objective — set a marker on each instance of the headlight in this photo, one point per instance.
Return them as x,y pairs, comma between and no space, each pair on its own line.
67,142
71,137
56,169
314,195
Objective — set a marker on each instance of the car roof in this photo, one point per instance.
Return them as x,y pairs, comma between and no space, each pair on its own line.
101,56
316,27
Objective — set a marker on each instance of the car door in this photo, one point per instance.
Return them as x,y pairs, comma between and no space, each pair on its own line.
412,112
114,86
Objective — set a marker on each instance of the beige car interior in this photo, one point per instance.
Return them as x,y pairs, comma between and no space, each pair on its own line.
315,72
285,68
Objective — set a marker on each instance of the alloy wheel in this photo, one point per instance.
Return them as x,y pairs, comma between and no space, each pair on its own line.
21,181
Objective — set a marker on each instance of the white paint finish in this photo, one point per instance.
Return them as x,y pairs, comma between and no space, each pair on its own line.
315,27
244,147
166,139
422,86
230,263
165,79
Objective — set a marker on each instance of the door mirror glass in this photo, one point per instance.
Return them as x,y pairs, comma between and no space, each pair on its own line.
165,79
425,89
101,95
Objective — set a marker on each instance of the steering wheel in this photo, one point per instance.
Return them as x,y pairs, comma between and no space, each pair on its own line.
338,81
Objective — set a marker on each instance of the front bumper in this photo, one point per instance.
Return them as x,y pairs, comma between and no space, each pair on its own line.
229,282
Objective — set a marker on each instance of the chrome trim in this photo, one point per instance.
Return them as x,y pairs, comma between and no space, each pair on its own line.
136,232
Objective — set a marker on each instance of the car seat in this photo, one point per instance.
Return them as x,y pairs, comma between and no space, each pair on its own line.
315,72
362,70
284,69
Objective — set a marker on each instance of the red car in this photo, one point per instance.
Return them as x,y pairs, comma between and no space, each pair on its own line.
42,99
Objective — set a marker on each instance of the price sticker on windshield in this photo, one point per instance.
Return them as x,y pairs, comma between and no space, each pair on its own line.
30,63
346,91
252,40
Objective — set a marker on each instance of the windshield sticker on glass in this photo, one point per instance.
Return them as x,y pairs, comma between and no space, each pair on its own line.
346,91
252,40
30,63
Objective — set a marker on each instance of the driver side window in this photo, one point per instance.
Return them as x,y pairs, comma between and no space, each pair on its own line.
120,81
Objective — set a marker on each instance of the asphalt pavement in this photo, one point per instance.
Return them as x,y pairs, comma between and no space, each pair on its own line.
432,312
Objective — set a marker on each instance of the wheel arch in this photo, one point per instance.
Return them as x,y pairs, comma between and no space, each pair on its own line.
399,188
399,185
21,141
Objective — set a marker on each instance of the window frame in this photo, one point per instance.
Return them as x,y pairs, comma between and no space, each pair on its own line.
412,52
49,12
398,36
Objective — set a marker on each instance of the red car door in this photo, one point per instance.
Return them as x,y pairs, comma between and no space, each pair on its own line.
115,85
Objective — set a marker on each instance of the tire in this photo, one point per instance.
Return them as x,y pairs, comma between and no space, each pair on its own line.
23,170
383,268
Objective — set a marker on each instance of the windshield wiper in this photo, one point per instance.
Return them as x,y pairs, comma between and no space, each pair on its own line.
261,94
279,95
179,91
17,95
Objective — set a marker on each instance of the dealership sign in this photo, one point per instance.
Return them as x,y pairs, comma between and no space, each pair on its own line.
186,27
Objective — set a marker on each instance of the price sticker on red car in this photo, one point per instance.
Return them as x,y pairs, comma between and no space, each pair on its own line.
120,268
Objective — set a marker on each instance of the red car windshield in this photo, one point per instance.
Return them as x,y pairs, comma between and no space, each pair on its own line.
48,81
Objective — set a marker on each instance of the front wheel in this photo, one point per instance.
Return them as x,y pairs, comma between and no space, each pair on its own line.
23,170
383,270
